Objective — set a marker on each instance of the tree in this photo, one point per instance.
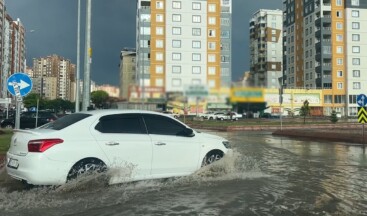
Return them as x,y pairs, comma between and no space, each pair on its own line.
305,110
333,117
99,98
31,101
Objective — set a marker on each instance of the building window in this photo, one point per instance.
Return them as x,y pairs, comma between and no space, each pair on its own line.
159,56
356,85
355,2
339,3
159,5
176,5
340,73
159,82
211,70
339,25
176,17
176,69
176,43
355,37
176,56
196,6
196,44
339,61
356,73
159,43
196,19
211,45
340,85
211,7
274,39
339,49
224,34
176,30
211,83
159,69
339,37
356,61
211,58
159,18
211,33
355,25
339,14
211,21
196,69
355,13
196,32
176,82
355,49
159,30
196,57
196,81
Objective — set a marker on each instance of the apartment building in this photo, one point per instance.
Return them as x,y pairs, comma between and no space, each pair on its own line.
127,71
266,48
184,42
323,48
54,77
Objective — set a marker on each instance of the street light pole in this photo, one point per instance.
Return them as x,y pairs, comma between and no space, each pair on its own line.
88,57
142,66
77,86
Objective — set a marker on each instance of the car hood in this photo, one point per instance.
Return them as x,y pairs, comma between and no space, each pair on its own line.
211,136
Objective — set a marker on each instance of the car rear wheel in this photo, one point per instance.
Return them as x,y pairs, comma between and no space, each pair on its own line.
211,157
86,167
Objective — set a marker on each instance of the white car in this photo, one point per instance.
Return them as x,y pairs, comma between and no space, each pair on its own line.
174,115
214,115
229,116
152,145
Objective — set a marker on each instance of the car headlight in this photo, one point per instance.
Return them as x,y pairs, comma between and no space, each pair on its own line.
226,144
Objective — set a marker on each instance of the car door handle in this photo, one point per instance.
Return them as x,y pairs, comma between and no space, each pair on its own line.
160,144
112,143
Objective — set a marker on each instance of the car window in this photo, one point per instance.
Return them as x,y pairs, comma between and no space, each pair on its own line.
65,121
157,124
121,123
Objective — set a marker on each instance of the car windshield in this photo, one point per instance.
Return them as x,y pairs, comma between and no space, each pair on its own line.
65,121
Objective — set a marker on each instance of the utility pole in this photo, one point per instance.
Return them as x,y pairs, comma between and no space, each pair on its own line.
77,86
88,57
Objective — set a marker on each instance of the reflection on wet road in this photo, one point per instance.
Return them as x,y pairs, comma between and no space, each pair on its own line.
266,175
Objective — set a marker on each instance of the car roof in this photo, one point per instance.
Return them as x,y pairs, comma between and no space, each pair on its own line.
118,111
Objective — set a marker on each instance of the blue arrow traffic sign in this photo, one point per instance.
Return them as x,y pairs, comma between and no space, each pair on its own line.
19,84
361,100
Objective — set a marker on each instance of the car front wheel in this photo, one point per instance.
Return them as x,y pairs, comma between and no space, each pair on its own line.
211,157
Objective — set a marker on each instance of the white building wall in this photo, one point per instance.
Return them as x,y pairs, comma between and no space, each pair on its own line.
186,76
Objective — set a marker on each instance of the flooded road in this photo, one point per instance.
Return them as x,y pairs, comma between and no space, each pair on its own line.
266,175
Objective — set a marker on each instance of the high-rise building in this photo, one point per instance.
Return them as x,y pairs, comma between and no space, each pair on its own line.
266,48
127,71
53,77
181,43
324,43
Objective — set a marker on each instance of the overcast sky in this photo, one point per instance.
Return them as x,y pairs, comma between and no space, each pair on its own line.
51,28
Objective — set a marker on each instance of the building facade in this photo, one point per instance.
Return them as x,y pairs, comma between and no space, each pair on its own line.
127,71
266,48
182,43
54,77
324,49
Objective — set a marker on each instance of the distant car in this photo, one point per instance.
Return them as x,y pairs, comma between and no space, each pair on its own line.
205,115
140,144
174,115
29,120
229,116
266,115
214,115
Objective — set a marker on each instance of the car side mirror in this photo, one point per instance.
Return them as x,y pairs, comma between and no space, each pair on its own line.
187,132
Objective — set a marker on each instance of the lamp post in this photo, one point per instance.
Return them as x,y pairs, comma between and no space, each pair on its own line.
142,64
77,86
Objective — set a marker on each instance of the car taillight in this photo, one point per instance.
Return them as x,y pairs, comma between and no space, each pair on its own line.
42,145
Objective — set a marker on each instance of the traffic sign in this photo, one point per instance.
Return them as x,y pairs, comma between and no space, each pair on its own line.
19,84
362,100
362,115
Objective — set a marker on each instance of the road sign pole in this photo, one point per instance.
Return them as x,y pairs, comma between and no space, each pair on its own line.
17,114
364,143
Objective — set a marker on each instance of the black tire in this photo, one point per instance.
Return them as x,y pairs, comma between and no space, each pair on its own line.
85,167
9,126
211,157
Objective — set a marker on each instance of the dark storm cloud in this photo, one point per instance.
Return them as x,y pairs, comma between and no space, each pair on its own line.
52,29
